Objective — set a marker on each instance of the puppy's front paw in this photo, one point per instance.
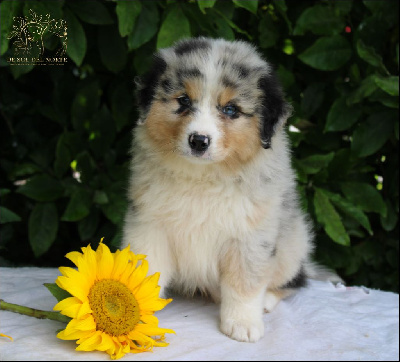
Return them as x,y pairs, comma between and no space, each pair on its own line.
243,330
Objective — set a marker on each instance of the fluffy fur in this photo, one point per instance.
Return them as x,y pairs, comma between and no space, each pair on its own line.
220,215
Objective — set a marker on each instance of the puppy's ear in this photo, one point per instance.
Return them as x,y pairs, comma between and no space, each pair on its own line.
146,85
274,109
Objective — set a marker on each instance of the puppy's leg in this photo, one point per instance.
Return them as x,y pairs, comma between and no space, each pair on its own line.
150,240
273,297
241,316
242,296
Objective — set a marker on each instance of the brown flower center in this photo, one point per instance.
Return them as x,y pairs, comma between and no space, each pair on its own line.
115,309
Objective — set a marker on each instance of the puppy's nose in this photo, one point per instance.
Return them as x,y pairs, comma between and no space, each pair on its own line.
199,142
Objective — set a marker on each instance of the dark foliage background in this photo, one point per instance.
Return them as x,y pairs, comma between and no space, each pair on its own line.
65,130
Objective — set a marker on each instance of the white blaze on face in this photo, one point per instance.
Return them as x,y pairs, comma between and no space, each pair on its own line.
204,122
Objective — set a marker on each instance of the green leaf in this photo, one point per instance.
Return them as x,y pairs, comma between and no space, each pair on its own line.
327,53
364,195
112,48
343,7
114,210
127,12
389,84
174,27
269,33
8,9
366,88
92,12
85,104
369,54
88,226
389,222
43,226
121,105
59,293
349,209
232,24
221,25
7,215
281,7
63,156
204,4
76,48
78,206
312,99
42,188
341,116
315,163
100,197
286,77
4,192
146,25
330,219
372,134
250,5
19,70
102,129
320,20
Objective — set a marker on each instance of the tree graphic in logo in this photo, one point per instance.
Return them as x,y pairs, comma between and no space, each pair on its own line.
29,33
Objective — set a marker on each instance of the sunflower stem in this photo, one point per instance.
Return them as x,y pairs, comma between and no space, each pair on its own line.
40,314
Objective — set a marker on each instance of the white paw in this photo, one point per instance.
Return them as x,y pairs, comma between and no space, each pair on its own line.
242,330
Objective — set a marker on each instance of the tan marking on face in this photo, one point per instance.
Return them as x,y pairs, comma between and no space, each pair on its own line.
164,127
193,88
240,141
226,96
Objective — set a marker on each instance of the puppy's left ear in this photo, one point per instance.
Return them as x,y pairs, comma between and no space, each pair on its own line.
274,109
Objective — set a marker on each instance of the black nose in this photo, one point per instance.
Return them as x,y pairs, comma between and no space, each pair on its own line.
199,142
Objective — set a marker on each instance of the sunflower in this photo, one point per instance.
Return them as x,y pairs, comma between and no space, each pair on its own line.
112,302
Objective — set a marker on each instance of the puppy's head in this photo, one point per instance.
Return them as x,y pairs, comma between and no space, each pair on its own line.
211,101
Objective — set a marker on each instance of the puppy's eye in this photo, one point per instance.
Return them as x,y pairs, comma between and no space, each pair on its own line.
184,100
230,110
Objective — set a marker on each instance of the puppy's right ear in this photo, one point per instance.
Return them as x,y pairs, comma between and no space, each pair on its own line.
146,85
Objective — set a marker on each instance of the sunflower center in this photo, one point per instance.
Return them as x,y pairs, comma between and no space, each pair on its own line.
115,309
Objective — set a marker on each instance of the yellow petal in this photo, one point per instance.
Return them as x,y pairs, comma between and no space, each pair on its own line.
69,307
83,310
76,286
149,319
90,343
106,344
75,257
149,330
121,262
67,303
148,288
105,262
86,324
90,263
71,336
153,306
5,335
138,275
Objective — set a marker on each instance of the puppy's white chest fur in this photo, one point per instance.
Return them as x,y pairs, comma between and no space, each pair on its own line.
201,218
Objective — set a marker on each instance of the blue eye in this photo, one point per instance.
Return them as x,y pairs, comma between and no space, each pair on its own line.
184,100
230,110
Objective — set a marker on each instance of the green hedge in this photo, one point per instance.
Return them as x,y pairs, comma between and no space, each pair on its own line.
66,130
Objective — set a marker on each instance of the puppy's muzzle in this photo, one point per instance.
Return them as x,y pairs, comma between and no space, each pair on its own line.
199,143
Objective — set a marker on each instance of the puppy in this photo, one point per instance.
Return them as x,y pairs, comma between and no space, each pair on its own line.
213,200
